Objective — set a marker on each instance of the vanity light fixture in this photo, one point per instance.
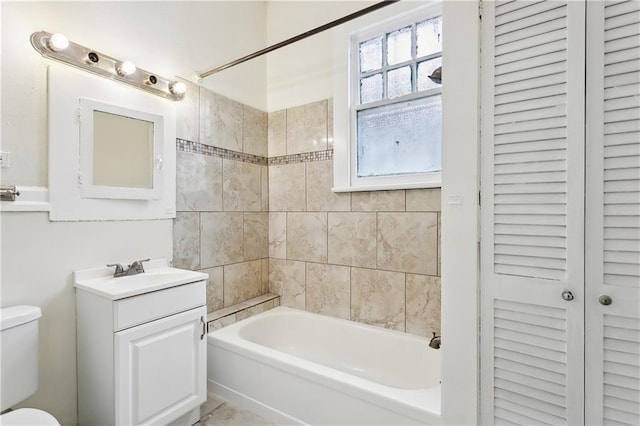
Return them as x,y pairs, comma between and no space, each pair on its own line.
58,47
177,88
125,68
58,42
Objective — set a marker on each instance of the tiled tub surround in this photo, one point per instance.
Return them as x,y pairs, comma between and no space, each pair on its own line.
261,225
221,225
371,257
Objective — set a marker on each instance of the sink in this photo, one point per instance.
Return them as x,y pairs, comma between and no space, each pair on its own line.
157,276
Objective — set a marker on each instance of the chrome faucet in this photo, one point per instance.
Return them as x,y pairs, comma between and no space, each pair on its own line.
134,269
435,341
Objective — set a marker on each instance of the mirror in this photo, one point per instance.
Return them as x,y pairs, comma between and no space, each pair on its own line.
122,151
118,149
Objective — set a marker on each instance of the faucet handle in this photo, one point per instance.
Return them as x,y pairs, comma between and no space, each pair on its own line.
119,268
138,265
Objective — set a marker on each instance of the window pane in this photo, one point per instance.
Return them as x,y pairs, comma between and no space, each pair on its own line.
399,46
400,138
399,82
425,68
371,89
371,54
429,37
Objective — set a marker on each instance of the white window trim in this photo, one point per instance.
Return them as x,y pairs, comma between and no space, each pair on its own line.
345,170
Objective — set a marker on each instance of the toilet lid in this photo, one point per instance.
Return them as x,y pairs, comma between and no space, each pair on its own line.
28,417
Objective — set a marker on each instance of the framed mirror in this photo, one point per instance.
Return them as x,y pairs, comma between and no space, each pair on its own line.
120,152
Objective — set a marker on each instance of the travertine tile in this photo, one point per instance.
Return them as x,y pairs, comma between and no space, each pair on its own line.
287,279
221,238
242,186
307,236
198,182
307,127
220,323
423,200
256,235
186,241
242,281
328,290
229,415
220,121
379,201
254,310
287,188
408,242
277,133
264,188
188,113
215,288
278,235
423,305
254,131
319,180
378,298
210,404
264,265
352,239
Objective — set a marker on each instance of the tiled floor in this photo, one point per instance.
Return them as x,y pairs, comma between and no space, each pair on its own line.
219,412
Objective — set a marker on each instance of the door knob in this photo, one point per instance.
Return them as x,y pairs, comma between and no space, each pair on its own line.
567,295
605,300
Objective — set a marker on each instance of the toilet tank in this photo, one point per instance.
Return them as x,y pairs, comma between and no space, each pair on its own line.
19,354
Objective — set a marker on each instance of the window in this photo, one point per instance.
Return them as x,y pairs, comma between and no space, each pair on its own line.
395,108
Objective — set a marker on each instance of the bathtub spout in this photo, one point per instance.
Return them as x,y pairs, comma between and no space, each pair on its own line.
435,341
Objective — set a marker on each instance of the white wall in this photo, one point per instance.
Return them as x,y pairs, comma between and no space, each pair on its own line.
302,72
460,212
37,256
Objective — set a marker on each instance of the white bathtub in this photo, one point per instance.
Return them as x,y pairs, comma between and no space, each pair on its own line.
295,367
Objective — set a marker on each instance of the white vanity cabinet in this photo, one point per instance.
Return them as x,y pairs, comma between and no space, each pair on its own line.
141,346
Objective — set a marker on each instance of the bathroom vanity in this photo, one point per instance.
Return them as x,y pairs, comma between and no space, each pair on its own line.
141,345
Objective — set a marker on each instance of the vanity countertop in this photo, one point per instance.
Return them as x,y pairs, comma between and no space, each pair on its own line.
157,276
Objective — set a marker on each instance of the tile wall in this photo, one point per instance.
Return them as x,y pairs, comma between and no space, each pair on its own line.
371,257
256,212
221,225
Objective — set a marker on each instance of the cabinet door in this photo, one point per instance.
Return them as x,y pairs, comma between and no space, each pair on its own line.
613,213
160,369
532,334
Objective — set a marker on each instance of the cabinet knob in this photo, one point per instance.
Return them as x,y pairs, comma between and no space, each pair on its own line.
605,300
567,295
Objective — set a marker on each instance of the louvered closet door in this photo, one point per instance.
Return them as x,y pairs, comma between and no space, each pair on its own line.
613,213
532,212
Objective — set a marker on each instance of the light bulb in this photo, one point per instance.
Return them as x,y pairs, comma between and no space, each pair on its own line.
177,88
125,68
58,42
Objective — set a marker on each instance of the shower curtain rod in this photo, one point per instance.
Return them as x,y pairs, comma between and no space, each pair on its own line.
299,37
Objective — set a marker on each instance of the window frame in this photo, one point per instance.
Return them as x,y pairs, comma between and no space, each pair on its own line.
346,174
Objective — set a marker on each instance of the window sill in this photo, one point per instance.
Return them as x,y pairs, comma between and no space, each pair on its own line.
387,187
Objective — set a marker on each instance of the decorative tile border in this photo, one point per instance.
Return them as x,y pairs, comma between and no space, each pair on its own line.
214,151
305,157
227,154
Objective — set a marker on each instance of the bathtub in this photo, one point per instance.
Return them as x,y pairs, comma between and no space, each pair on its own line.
295,367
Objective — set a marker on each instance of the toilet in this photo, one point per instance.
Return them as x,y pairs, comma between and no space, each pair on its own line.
19,365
